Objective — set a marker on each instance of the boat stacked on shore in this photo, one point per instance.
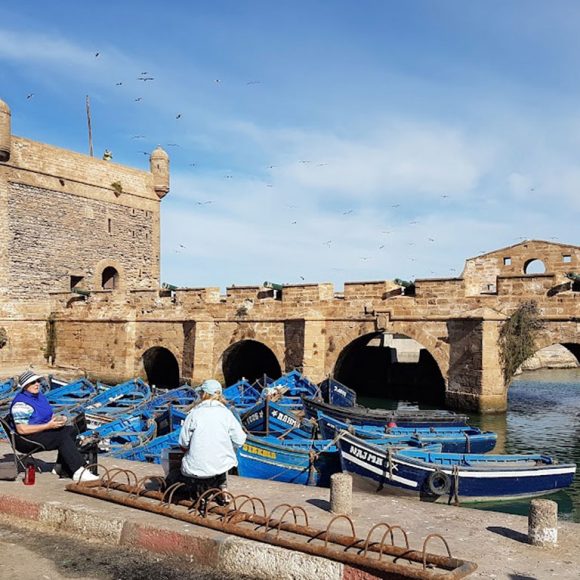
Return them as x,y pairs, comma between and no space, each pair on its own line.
301,432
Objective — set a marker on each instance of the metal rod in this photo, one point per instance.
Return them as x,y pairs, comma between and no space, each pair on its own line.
88,105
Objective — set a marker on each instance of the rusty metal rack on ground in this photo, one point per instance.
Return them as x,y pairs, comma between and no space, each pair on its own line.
280,527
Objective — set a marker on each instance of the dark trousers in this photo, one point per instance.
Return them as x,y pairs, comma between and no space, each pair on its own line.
196,486
62,439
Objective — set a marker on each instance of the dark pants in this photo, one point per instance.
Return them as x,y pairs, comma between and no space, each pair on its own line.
62,439
196,486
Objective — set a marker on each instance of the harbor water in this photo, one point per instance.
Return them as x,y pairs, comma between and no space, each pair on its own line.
543,416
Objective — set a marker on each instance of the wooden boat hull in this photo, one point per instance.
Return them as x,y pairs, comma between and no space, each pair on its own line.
451,478
290,462
363,416
452,439
268,418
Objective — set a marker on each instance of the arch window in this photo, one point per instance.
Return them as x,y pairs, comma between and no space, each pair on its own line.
109,278
534,266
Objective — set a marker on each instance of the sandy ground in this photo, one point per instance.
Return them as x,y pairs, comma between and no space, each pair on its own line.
30,554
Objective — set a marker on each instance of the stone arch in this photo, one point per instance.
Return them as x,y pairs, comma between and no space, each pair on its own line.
388,365
103,271
534,266
435,340
161,367
250,359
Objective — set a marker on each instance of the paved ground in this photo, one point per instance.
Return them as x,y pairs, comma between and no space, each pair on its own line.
496,542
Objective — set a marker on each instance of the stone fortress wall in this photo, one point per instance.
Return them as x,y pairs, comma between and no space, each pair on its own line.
64,223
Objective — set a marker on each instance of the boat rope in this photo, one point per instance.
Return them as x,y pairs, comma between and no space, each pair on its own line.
455,473
390,460
467,442
312,457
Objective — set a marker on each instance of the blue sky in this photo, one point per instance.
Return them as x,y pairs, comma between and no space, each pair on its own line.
318,141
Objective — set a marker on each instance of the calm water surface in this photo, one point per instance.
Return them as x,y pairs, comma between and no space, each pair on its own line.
543,417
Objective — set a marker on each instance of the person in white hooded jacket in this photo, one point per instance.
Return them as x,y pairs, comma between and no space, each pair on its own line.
209,437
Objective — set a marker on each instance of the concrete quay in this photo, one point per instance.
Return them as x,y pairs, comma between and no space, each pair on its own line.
496,542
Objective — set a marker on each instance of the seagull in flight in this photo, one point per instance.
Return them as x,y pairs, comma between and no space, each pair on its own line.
253,82
97,54
178,116
347,212
396,205
203,202
145,78
138,99
118,84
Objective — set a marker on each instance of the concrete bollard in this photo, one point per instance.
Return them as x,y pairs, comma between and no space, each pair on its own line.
543,523
341,493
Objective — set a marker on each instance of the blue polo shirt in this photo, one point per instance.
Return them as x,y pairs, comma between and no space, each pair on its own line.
30,409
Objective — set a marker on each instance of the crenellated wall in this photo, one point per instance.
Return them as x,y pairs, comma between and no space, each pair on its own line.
66,217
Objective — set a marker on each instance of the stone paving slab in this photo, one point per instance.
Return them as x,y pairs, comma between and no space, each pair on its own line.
496,542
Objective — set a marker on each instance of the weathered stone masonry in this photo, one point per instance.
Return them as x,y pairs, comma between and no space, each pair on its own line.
63,222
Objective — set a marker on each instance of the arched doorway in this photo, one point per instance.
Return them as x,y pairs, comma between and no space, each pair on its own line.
390,366
161,368
249,359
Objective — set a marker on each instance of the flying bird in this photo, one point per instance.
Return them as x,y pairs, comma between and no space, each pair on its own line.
301,277
293,223
118,84
172,145
204,202
145,78
396,205
30,96
138,137
178,116
138,99
347,212
253,82
97,54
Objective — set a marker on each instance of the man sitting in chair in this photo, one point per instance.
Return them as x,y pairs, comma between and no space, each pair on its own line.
33,418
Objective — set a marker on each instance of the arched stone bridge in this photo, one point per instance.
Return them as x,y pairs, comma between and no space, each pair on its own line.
361,335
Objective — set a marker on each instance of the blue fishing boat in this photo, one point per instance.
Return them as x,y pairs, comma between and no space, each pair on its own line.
451,477
292,386
359,415
70,395
269,418
119,399
305,462
182,397
452,439
126,432
149,452
335,393
242,394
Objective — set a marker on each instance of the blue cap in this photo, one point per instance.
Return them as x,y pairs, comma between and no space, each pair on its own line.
211,387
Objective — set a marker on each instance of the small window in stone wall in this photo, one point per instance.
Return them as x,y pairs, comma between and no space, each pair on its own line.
110,278
566,259
75,281
109,225
507,261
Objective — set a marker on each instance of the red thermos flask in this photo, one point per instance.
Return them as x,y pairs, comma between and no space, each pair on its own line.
29,475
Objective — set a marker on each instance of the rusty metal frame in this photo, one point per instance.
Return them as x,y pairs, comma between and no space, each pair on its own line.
382,558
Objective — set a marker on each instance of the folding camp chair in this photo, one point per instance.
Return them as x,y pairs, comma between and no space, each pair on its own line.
18,443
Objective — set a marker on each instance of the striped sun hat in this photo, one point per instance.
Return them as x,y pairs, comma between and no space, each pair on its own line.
27,378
